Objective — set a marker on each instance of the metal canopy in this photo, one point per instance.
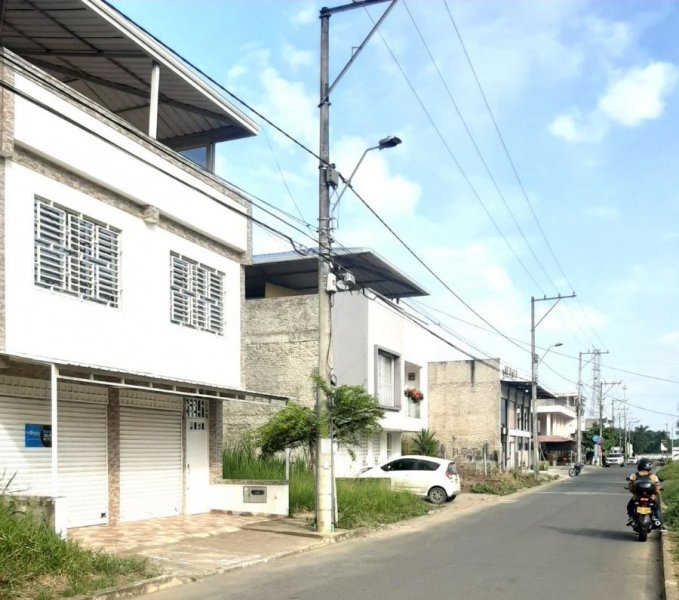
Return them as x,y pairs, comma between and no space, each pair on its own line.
95,49
300,273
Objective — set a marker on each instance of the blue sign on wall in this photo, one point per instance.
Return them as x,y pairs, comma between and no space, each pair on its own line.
37,436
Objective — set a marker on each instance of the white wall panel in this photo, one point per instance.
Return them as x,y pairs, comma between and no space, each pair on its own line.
137,336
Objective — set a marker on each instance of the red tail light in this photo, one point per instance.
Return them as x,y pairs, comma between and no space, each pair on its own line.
643,499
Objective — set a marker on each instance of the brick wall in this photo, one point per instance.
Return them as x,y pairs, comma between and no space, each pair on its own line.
113,432
464,406
279,356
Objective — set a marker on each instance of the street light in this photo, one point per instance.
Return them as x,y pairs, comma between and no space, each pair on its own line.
387,142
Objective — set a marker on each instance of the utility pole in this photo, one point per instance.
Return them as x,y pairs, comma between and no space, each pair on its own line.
579,405
328,177
534,360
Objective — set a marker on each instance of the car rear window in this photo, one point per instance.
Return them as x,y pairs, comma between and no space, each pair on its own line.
452,469
427,465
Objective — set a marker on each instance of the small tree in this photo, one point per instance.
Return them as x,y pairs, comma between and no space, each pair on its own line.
425,443
353,412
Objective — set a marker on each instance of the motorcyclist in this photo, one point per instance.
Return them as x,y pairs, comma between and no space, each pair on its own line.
644,467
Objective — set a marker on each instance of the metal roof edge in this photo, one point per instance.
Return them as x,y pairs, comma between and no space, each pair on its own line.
165,55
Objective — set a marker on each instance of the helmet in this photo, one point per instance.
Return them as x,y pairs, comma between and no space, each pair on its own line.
644,465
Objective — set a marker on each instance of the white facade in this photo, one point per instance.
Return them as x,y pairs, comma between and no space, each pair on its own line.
362,329
557,421
121,279
55,326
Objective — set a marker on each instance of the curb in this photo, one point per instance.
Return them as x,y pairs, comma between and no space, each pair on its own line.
138,588
163,582
667,569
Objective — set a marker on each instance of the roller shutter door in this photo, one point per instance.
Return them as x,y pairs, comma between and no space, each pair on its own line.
150,463
83,474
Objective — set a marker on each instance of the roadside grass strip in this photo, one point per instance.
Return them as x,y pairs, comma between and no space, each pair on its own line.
36,563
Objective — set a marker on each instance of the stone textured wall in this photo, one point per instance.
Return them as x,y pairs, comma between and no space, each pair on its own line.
279,355
113,433
464,407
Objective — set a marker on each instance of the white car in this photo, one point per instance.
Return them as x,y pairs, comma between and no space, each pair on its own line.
614,458
436,479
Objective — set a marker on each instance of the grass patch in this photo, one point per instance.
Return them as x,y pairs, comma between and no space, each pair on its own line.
503,484
669,475
361,502
36,563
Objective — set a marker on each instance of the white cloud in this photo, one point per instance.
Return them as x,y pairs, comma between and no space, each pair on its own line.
308,14
635,96
296,58
639,94
671,339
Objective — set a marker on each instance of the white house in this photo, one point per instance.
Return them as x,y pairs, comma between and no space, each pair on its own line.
120,269
374,344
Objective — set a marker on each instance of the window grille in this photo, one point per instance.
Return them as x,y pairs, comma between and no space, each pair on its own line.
75,254
197,295
195,408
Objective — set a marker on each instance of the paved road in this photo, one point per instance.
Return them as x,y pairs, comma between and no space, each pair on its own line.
564,541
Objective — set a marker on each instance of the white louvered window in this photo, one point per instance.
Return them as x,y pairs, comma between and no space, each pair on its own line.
384,384
75,254
197,295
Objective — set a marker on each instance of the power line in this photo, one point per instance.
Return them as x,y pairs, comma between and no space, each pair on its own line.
512,164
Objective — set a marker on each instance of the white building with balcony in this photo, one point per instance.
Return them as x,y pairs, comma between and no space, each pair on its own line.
374,344
120,268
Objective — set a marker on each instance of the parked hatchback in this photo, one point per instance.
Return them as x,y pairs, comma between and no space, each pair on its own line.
434,478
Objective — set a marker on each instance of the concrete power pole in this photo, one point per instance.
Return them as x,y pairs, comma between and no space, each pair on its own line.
534,362
328,177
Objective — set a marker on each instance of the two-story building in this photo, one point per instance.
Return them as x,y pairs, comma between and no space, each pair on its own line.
375,344
481,411
120,267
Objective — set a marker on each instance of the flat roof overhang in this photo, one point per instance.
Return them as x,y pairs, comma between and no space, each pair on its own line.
95,49
97,375
524,386
300,273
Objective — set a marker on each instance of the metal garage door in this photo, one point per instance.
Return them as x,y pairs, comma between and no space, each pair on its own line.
150,463
83,475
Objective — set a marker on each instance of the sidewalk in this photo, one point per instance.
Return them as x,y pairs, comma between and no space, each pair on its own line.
188,548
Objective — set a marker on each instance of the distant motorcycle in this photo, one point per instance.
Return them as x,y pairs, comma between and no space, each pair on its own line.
643,521
574,471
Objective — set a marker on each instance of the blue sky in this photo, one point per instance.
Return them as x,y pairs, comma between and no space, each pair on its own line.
586,97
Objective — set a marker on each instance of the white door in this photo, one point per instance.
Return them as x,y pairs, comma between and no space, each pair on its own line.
150,463
197,456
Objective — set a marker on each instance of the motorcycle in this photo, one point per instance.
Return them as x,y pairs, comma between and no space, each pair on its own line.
644,520
574,471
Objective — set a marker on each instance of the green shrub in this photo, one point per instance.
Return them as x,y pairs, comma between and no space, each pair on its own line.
425,443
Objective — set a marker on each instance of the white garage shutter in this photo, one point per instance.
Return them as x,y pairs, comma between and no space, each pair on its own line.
83,474
150,463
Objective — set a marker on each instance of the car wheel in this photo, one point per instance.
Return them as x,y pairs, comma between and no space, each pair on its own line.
437,495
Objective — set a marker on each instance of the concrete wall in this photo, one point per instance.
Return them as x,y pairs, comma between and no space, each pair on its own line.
464,406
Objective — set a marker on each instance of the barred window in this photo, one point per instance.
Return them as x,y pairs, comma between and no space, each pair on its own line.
75,254
197,295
